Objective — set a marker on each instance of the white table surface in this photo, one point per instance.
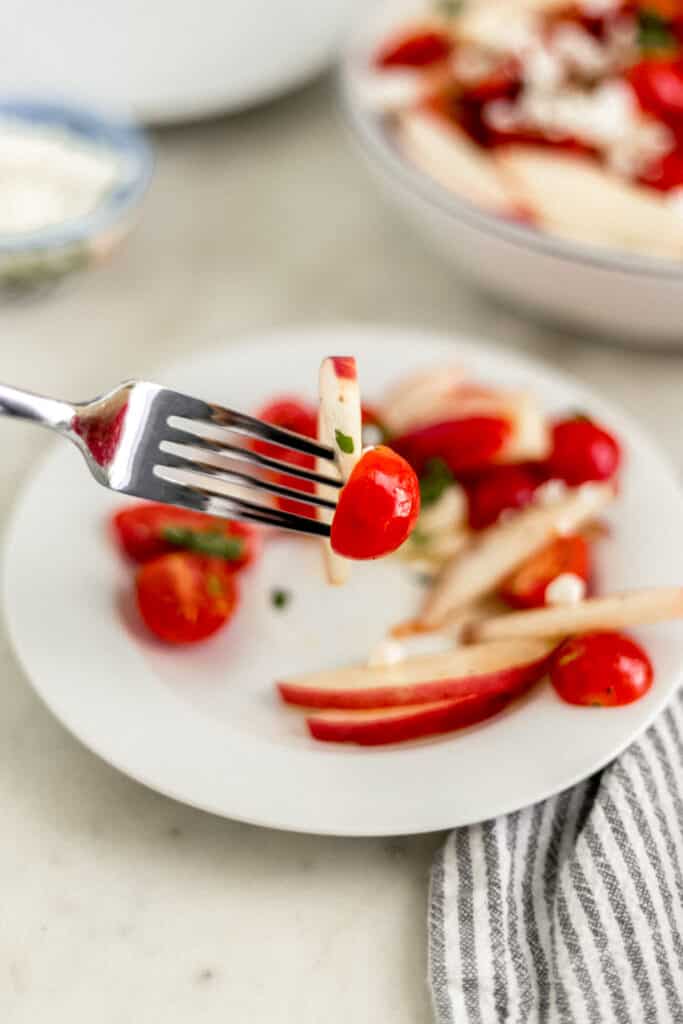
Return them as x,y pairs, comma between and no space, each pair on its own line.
117,904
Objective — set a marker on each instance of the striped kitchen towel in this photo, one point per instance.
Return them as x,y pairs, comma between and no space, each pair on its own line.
570,911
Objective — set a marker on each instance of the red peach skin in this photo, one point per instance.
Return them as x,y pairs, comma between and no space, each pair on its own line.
479,670
394,725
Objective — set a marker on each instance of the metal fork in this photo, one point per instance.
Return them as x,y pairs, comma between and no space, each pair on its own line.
150,442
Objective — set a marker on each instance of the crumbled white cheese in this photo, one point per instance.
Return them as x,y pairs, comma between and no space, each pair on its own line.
578,50
550,492
606,117
388,652
567,588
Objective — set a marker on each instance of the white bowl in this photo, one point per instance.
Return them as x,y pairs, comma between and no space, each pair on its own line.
166,60
627,297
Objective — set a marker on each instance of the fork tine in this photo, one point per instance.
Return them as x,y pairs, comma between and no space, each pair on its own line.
240,423
188,496
189,464
234,452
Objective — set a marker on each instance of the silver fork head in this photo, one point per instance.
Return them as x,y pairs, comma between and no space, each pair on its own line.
151,442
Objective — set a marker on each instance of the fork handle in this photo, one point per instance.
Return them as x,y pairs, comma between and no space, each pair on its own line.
24,405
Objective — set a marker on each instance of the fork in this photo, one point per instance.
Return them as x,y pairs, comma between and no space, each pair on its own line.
150,442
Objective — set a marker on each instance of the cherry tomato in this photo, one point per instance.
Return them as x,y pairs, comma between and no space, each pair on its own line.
184,598
582,451
500,489
607,669
292,414
658,84
526,587
377,507
665,173
414,50
148,530
465,445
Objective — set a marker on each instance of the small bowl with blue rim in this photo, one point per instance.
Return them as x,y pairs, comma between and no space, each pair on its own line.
33,254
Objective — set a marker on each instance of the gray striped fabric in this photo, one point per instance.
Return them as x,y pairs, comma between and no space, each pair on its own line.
570,911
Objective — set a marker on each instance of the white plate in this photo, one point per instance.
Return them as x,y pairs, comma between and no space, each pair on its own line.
204,725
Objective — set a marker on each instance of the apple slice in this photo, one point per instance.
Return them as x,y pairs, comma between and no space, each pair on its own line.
339,426
498,550
444,152
576,198
484,670
392,725
412,400
619,611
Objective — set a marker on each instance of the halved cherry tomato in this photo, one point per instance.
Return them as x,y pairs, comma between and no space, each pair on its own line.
665,173
184,598
298,415
465,445
414,49
148,530
526,587
377,507
499,489
658,84
581,451
607,669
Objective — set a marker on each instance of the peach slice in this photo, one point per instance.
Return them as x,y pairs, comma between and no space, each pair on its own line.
446,154
617,611
393,725
481,670
576,198
339,426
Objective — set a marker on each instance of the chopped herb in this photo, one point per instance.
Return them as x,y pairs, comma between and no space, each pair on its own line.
419,537
280,598
434,481
425,579
344,442
654,33
205,542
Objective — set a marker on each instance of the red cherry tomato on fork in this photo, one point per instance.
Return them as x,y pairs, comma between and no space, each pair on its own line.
606,669
184,598
378,506
500,489
414,50
581,451
147,530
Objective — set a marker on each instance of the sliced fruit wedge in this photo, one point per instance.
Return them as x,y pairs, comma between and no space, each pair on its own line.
444,152
619,611
393,725
412,400
484,670
500,549
576,198
339,426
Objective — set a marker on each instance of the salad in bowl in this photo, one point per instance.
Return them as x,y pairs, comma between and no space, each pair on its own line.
563,115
